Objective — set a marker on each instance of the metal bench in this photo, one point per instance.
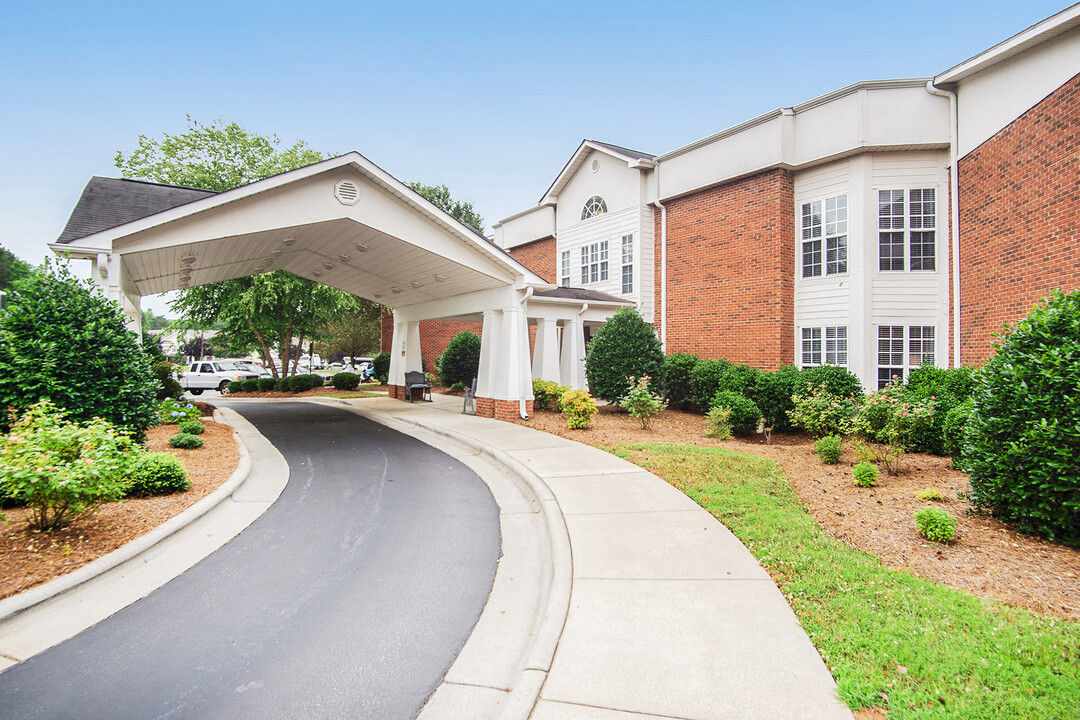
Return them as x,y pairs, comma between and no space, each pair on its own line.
416,381
470,399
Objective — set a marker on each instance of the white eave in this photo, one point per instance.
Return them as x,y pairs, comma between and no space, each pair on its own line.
578,159
1038,33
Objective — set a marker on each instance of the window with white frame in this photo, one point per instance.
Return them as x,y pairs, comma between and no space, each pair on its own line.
832,352
594,262
564,269
902,349
593,206
824,237
907,220
627,264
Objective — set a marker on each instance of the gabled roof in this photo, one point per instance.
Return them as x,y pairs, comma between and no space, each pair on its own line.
632,158
1038,33
109,202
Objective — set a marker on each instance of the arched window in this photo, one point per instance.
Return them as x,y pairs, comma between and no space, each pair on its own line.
593,206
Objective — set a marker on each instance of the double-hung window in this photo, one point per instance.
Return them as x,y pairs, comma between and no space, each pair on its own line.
832,352
907,220
824,237
594,262
564,268
627,264
902,349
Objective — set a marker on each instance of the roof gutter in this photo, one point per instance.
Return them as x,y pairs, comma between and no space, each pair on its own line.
954,206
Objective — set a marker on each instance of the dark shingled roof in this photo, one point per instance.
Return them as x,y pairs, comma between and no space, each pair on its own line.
637,155
110,202
579,294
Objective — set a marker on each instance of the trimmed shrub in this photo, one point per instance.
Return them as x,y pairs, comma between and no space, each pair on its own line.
819,412
167,386
953,429
1022,446
744,413
546,394
741,379
192,427
642,404
177,411
705,381
888,418
774,396
579,408
345,381
59,338
250,385
935,524
839,380
865,474
61,469
381,365
235,386
460,362
718,423
674,379
946,388
186,441
625,346
930,494
267,384
829,449
158,473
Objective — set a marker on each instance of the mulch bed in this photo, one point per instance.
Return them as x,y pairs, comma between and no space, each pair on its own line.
31,557
988,558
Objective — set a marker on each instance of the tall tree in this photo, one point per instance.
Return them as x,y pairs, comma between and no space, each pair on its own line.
355,333
11,269
439,196
275,308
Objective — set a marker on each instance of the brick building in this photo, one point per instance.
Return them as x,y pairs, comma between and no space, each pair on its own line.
822,232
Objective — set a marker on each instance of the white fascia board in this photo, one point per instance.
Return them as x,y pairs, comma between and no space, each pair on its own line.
80,252
1040,32
578,159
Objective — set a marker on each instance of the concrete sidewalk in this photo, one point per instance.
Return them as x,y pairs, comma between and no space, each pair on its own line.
653,608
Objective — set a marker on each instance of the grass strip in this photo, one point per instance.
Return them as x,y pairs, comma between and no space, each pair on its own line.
890,639
360,394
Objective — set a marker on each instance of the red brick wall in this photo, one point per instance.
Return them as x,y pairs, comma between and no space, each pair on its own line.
538,256
731,271
1019,219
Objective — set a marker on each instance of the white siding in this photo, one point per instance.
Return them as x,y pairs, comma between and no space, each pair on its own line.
611,227
618,184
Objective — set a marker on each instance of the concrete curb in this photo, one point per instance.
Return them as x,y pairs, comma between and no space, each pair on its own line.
548,630
12,606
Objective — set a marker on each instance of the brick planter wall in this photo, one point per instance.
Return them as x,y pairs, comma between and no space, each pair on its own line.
1019,219
731,271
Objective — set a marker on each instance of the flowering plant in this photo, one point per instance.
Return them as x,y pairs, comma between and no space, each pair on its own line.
890,419
642,404
177,411
818,411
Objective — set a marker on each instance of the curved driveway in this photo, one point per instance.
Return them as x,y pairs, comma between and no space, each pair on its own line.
350,597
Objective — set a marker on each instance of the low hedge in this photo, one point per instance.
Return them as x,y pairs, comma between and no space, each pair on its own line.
158,473
345,381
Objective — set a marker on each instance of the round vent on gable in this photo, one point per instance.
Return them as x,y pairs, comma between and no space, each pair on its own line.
347,192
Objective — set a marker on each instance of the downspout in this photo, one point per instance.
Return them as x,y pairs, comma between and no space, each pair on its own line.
522,407
663,263
954,192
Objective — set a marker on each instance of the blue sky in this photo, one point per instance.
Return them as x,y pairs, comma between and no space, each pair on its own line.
488,98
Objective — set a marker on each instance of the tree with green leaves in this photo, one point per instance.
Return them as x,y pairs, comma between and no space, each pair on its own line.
354,333
439,196
11,269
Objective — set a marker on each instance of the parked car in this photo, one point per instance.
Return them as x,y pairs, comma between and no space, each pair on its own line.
248,366
212,375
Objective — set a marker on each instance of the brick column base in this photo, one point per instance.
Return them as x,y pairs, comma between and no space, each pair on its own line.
501,409
395,391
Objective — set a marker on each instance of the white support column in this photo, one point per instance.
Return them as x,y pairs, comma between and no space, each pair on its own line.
489,341
397,354
572,369
413,360
545,365
106,274
512,357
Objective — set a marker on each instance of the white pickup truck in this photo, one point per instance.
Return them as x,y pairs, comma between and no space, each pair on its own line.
211,375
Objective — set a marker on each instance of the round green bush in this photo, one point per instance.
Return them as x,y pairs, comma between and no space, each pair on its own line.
1022,446
285,384
235,386
829,449
744,413
865,474
460,362
267,384
192,427
168,387
625,346
741,379
251,385
158,473
675,379
935,524
705,381
61,339
345,381
186,441
839,380
381,365
774,392
953,429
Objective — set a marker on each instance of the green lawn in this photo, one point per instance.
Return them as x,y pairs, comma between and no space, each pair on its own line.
358,394
918,649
